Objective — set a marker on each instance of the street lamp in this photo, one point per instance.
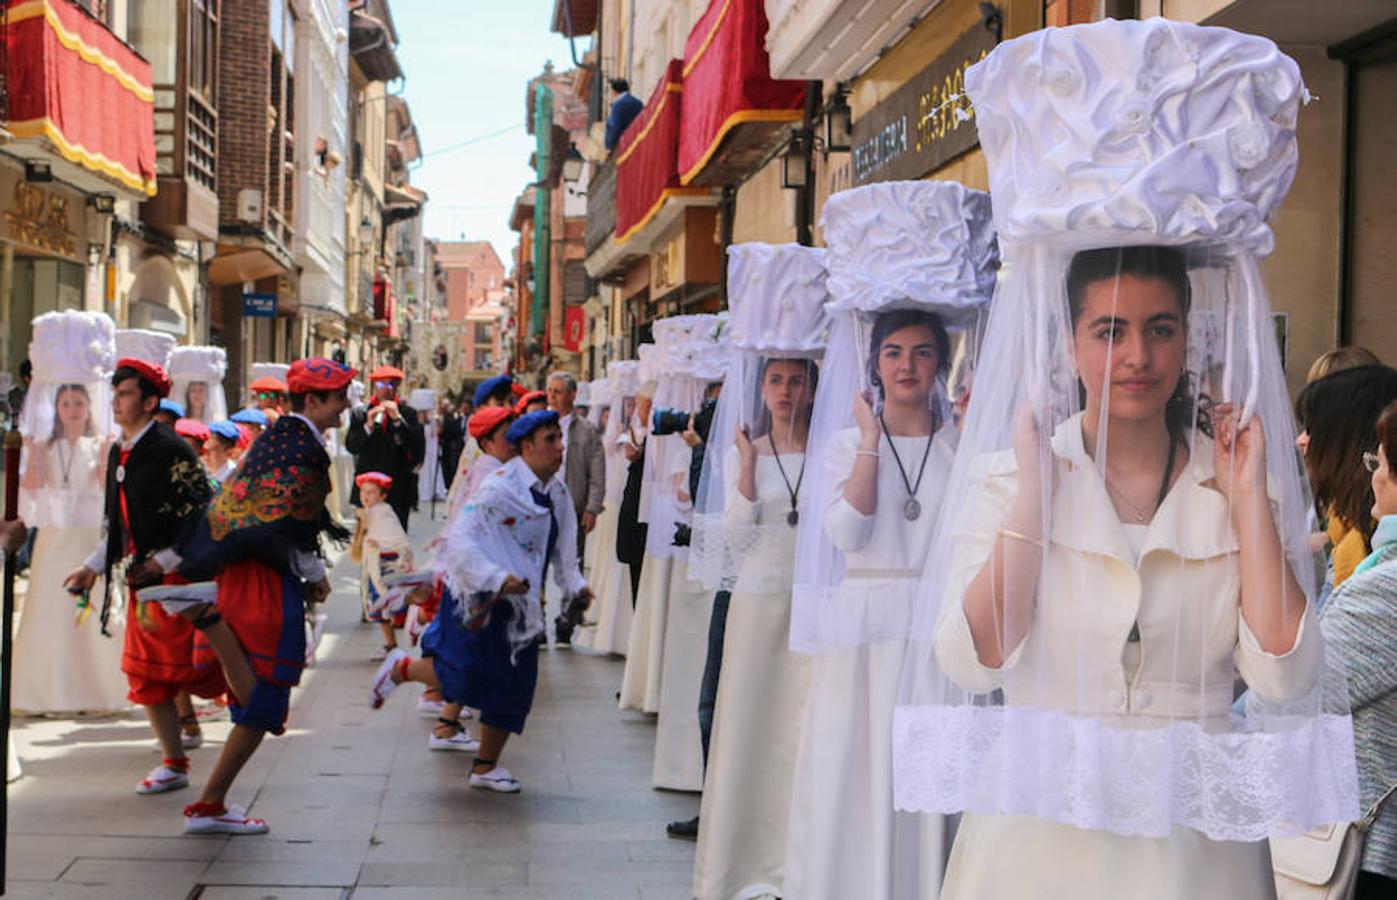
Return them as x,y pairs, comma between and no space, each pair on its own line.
839,121
795,161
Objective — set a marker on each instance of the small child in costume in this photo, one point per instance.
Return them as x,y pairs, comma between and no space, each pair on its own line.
386,552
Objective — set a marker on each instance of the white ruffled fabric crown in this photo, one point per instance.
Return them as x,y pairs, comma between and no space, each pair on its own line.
584,394
776,299
1147,131
267,370
422,399
699,346
150,346
198,363
623,377
910,244
73,347
601,392
650,365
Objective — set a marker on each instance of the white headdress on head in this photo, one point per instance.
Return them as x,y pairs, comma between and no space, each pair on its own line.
623,383
151,346
691,352
922,246
267,370
601,400
200,365
776,304
68,348
584,394
1134,166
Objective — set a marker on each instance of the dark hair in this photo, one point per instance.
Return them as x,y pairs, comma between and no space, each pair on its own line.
26,369
222,441
1165,264
89,428
147,388
1340,412
1387,434
898,319
620,85
298,401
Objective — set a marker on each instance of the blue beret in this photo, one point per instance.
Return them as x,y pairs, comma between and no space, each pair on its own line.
172,407
225,429
250,417
526,425
488,387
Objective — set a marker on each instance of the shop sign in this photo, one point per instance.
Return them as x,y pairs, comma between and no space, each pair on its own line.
41,219
923,124
259,306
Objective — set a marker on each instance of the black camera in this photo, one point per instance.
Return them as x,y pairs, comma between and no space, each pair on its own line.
670,421
571,617
683,534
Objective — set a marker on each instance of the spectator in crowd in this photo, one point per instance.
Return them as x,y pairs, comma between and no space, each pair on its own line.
1360,620
624,109
584,464
1338,359
386,437
453,440
16,396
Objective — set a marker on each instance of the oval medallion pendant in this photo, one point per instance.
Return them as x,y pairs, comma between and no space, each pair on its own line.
911,509
792,518
120,473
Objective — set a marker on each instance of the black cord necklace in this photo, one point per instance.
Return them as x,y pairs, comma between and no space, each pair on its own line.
67,467
792,517
912,509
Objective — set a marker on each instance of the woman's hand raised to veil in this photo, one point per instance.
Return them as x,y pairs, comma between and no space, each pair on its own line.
1239,455
866,420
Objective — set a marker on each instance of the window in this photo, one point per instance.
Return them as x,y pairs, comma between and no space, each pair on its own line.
203,48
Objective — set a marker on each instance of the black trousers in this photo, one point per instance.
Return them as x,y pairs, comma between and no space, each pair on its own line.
712,669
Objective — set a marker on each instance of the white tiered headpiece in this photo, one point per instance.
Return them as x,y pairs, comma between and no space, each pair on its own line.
72,347
624,377
150,346
198,363
601,392
918,244
584,393
776,299
1199,145
694,345
268,370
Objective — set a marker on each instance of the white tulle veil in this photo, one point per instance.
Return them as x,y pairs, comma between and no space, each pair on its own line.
200,365
776,304
924,248
1080,644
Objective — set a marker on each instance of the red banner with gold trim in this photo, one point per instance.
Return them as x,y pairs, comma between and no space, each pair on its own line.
727,81
74,83
647,170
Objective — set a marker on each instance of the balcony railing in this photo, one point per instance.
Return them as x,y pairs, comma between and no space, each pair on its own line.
601,206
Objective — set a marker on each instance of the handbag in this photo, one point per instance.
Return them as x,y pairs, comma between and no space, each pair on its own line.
1322,864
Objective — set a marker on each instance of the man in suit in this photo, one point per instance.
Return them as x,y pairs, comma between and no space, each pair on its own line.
584,465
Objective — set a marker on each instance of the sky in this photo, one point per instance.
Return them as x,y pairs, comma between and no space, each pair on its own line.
466,64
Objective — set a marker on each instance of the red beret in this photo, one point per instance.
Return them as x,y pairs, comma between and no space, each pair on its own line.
245,436
318,374
518,389
386,373
487,420
378,478
192,428
528,398
268,384
149,371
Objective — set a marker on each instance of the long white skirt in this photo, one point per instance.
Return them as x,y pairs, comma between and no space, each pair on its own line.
430,482
607,626
752,752
678,746
845,838
640,682
60,668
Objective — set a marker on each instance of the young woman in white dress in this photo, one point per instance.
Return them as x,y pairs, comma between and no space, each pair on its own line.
763,685
62,662
1118,552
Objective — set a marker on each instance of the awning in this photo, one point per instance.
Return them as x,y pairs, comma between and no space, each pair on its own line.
575,18
371,43
647,159
732,104
76,87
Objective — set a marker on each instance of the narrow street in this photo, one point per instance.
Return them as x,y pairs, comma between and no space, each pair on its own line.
358,806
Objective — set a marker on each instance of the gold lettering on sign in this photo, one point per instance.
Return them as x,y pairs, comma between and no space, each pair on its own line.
40,220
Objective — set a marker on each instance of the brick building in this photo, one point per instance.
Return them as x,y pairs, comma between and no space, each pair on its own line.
474,277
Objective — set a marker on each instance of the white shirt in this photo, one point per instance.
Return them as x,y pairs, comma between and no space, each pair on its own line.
97,560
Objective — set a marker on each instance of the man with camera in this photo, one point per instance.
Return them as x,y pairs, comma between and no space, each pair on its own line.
584,472
386,437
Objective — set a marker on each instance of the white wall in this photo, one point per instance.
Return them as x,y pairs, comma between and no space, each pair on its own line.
322,96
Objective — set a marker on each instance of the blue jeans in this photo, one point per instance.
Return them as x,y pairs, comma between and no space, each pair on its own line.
708,687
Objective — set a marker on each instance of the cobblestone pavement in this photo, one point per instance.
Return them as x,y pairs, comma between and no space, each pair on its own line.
358,806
